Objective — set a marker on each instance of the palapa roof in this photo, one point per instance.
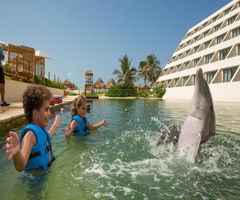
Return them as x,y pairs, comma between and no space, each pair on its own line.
99,84
145,87
68,84
88,72
110,83
138,86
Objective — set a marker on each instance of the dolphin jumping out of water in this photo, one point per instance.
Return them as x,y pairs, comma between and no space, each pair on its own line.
199,125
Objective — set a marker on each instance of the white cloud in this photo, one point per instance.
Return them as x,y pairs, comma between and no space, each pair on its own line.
70,74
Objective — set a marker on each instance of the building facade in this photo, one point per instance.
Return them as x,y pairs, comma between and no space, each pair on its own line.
213,45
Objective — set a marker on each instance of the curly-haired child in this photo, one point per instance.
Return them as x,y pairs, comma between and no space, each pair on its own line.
34,150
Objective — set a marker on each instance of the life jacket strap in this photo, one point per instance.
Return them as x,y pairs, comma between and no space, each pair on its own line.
38,153
49,164
33,155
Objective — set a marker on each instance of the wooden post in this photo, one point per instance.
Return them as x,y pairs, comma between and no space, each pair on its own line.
44,71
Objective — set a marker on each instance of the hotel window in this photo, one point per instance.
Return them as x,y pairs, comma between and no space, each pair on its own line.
215,18
196,38
195,62
206,44
176,80
205,24
208,58
178,67
220,38
196,29
236,32
187,52
206,33
210,76
196,48
216,28
227,11
239,49
180,55
228,74
186,64
188,42
232,19
223,53
185,79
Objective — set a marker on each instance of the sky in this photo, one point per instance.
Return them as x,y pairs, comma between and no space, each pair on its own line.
94,34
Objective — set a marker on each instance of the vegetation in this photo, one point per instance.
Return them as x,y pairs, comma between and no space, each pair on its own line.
144,93
159,90
12,74
71,93
122,90
149,69
48,83
127,74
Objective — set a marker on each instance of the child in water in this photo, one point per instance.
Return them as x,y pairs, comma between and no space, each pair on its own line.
80,125
34,150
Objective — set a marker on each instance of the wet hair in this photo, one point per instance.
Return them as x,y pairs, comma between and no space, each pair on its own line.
77,103
33,98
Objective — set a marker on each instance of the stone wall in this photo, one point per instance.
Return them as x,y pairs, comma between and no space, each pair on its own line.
15,89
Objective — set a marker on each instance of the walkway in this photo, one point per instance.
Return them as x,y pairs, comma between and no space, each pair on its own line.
15,110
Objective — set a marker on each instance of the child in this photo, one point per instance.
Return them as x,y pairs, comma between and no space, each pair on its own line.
34,151
80,124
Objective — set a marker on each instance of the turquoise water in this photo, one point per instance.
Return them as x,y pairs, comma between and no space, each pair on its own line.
122,162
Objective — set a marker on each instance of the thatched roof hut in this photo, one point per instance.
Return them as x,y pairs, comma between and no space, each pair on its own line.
145,87
99,84
110,83
68,84
88,72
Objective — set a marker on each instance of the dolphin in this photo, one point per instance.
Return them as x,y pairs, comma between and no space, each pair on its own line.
199,124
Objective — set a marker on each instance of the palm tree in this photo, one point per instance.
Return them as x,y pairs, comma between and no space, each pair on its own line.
154,68
143,71
127,73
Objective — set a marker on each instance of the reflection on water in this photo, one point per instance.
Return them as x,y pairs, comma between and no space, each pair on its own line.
122,162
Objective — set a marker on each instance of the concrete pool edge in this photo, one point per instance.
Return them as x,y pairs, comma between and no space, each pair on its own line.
16,111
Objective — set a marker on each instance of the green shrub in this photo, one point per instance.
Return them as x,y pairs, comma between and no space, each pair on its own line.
159,90
48,83
122,90
71,93
144,93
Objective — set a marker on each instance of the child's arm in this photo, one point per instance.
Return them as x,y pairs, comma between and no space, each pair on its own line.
20,157
70,128
55,125
98,125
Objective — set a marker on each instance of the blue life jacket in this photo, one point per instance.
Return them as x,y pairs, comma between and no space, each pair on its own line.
82,126
39,156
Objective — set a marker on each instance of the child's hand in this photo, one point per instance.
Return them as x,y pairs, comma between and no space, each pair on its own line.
57,121
104,123
68,131
12,145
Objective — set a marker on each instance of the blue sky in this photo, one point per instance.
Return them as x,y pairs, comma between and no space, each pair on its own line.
94,34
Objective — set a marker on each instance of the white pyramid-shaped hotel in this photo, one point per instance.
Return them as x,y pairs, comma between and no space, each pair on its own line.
213,45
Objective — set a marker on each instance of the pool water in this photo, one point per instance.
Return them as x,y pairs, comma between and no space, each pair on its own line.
123,162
